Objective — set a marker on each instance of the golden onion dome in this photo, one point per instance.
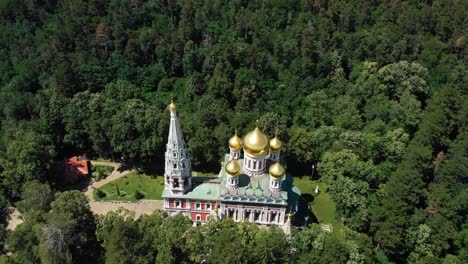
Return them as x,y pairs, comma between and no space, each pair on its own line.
172,106
277,171
256,143
233,168
275,143
235,142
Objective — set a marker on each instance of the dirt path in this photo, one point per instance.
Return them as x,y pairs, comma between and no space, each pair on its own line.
14,218
102,208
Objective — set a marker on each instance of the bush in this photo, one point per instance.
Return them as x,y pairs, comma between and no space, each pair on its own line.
138,195
100,193
100,172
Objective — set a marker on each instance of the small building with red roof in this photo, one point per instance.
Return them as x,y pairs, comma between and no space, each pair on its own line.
76,169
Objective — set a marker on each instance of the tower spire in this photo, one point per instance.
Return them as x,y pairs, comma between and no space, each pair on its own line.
178,175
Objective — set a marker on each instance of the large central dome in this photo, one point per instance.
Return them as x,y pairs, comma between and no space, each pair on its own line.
256,143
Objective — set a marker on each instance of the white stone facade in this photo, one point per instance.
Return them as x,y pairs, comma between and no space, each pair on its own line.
264,215
178,171
274,156
232,183
254,166
275,184
234,154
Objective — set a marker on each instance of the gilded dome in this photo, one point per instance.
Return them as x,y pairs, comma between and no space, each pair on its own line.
172,106
235,142
233,168
275,144
256,143
277,171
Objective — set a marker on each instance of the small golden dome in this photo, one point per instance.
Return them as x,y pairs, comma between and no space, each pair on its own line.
233,168
235,142
172,106
277,171
256,143
275,143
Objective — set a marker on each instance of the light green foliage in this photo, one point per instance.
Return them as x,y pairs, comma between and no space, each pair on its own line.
100,172
403,78
420,239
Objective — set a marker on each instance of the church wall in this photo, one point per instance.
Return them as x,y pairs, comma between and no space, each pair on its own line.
203,216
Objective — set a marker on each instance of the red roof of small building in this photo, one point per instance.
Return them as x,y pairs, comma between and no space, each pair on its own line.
76,166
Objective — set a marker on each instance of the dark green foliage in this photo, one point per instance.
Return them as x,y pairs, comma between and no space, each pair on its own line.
99,193
35,196
371,92
138,195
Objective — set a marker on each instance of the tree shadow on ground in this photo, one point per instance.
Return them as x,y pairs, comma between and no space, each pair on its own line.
304,215
124,167
307,197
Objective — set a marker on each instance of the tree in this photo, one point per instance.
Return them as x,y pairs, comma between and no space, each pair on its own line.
35,196
71,218
270,246
28,156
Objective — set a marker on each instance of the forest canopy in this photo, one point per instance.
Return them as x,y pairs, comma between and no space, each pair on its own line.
372,93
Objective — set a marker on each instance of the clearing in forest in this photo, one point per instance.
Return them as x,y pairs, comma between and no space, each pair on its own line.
322,205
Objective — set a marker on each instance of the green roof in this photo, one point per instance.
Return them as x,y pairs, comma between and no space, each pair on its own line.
250,189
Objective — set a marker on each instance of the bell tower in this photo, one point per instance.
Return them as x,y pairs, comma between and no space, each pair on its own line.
178,171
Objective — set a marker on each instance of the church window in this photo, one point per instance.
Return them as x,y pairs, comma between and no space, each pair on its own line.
255,165
256,215
249,165
176,183
197,205
174,166
198,217
178,204
208,206
273,217
260,164
174,154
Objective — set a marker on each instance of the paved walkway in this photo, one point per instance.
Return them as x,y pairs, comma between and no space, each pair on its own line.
102,208
98,207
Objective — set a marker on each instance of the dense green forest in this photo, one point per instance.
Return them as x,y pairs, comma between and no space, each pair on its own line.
374,93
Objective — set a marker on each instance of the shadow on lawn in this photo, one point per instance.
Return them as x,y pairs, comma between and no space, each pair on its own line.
304,215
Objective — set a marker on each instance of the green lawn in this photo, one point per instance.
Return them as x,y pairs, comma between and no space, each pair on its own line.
205,174
151,188
100,172
322,206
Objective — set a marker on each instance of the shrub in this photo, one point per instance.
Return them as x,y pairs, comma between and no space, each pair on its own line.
138,195
100,193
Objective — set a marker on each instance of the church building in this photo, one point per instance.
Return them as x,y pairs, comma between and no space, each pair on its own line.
252,184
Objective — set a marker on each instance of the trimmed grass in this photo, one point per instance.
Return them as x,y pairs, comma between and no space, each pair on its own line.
323,207
205,174
151,188
100,172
